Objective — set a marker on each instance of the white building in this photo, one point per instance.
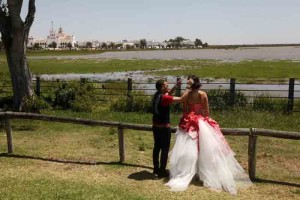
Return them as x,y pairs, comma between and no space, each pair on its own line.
188,44
156,45
59,37
94,44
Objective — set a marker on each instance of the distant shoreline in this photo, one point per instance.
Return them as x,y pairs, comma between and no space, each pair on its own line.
252,45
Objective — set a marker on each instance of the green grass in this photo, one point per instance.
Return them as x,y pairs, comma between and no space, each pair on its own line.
248,71
245,70
38,174
53,66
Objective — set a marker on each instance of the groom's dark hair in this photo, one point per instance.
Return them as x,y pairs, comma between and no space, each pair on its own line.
159,84
196,85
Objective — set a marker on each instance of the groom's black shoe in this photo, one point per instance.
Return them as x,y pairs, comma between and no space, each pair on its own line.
163,174
155,171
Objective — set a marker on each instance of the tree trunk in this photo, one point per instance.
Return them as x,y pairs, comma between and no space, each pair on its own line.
14,36
19,71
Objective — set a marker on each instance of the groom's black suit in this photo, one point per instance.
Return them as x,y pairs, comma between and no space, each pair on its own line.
161,131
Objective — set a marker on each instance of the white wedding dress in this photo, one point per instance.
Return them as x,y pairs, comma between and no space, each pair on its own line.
201,149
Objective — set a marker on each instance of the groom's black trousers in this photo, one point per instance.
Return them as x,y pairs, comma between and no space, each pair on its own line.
162,137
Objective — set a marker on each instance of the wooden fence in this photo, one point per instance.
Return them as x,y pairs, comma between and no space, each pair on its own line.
291,99
252,133
232,90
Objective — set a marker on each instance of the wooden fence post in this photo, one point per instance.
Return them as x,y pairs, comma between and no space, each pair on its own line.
232,92
178,89
129,101
38,86
252,154
129,87
8,130
177,93
82,81
291,95
121,144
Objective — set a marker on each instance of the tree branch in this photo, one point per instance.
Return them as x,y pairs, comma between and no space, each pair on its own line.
30,16
14,8
29,20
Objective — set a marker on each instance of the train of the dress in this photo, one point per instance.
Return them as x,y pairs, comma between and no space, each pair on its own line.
205,153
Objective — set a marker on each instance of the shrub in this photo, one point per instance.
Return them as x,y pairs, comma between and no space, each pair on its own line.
64,95
220,99
34,104
6,102
75,96
240,99
135,102
82,104
267,103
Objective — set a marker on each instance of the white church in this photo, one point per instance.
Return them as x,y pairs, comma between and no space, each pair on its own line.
59,37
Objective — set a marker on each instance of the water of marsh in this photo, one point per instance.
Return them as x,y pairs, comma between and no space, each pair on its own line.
144,80
238,54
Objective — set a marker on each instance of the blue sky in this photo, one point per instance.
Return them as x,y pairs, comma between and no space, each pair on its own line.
213,21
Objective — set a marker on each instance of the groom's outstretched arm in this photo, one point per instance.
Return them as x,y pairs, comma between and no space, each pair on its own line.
182,98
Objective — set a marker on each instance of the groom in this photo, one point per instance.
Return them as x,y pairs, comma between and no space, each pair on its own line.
161,125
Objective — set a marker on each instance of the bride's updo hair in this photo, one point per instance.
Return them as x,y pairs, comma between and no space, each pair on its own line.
196,85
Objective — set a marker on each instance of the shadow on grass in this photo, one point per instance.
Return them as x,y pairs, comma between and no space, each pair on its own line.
142,175
258,180
72,161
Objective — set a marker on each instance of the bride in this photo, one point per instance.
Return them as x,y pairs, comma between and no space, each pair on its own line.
201,149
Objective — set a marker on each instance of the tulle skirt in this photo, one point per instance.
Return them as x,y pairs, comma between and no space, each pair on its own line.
209,157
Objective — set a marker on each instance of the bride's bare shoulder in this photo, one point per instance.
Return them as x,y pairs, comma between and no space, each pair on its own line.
202,93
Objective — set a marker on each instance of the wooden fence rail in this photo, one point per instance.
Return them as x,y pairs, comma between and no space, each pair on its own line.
252,133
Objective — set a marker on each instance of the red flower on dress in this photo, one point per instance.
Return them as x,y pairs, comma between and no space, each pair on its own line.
189,122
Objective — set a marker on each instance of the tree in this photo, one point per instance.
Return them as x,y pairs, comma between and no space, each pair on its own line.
103,45
143,43
53,45
205,45
179,39
129,46
198,42
119,46
177,42
14,32
112,45
36,46
69,45
89,45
